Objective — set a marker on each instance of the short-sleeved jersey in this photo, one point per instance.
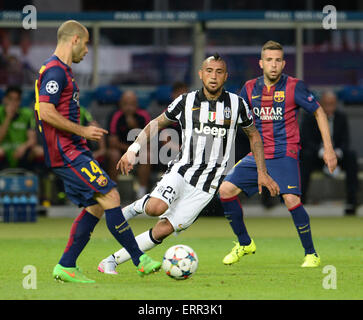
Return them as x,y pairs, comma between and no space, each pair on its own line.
17,132
119,127
56,85
275,112
208,135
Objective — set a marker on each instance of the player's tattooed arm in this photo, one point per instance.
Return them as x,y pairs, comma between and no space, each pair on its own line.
127,161
257,149
152,129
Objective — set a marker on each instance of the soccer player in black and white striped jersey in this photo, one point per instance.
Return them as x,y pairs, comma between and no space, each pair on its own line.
208,118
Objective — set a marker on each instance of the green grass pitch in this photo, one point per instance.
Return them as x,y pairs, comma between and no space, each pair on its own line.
274,272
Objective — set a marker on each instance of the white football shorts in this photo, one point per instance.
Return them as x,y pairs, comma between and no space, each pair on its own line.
184,200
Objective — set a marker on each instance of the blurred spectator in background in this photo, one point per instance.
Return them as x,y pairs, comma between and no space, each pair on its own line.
15,70
18,139
29,73
164,97
4,55
169,137
98,148
312,150
128,117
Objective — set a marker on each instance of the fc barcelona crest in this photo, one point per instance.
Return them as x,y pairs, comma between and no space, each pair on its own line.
102,181
279,96
212,116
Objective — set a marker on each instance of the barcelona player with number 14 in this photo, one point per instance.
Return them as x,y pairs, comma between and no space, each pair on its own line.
86,184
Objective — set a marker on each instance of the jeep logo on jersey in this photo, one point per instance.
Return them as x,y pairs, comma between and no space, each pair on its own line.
214,131
268,113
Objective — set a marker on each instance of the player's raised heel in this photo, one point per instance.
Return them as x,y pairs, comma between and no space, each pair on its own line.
238,252
147,265
108,266
63,274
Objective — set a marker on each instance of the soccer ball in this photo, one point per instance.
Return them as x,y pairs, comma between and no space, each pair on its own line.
180,262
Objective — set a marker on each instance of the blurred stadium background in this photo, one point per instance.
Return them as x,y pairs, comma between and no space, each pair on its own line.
148,45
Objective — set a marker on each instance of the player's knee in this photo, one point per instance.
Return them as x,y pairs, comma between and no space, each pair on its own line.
155,207
109,200
114,196
96,210
162,229
228,190
291,200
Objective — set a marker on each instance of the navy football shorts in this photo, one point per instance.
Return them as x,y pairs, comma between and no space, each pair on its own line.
285,171
82,178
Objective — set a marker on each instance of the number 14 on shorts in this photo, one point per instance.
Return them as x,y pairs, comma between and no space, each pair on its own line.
95,169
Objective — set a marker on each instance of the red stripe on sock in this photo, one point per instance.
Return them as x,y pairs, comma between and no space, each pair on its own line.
293,208
74,229
229,199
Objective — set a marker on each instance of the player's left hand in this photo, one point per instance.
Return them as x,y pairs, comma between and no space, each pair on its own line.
330,159
265,180
126,163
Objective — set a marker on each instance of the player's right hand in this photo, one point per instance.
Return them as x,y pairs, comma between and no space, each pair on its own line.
265,180
126,163
93,133
330,159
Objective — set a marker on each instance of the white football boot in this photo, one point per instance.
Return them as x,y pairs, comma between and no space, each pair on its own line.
108,265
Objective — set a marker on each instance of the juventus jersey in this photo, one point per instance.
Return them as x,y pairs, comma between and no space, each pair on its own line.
208,134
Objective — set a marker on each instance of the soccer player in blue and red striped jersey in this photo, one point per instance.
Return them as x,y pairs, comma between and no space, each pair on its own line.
275,99
86,184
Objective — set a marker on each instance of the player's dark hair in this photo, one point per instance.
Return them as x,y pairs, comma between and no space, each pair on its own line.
217,57
11,89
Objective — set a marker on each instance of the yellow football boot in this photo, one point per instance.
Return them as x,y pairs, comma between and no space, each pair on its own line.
311,261
239,251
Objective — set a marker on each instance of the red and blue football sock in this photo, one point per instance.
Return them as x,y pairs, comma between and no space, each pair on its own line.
81,230
302,224
122,232
234,214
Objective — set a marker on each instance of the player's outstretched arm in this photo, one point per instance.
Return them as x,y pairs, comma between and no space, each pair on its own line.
257,149
127,161
329,156
49,114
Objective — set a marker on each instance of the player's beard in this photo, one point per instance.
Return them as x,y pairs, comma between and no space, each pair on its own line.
213,91
273,78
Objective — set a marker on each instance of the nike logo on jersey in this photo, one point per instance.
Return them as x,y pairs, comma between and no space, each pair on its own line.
255,97
291,187
193,109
